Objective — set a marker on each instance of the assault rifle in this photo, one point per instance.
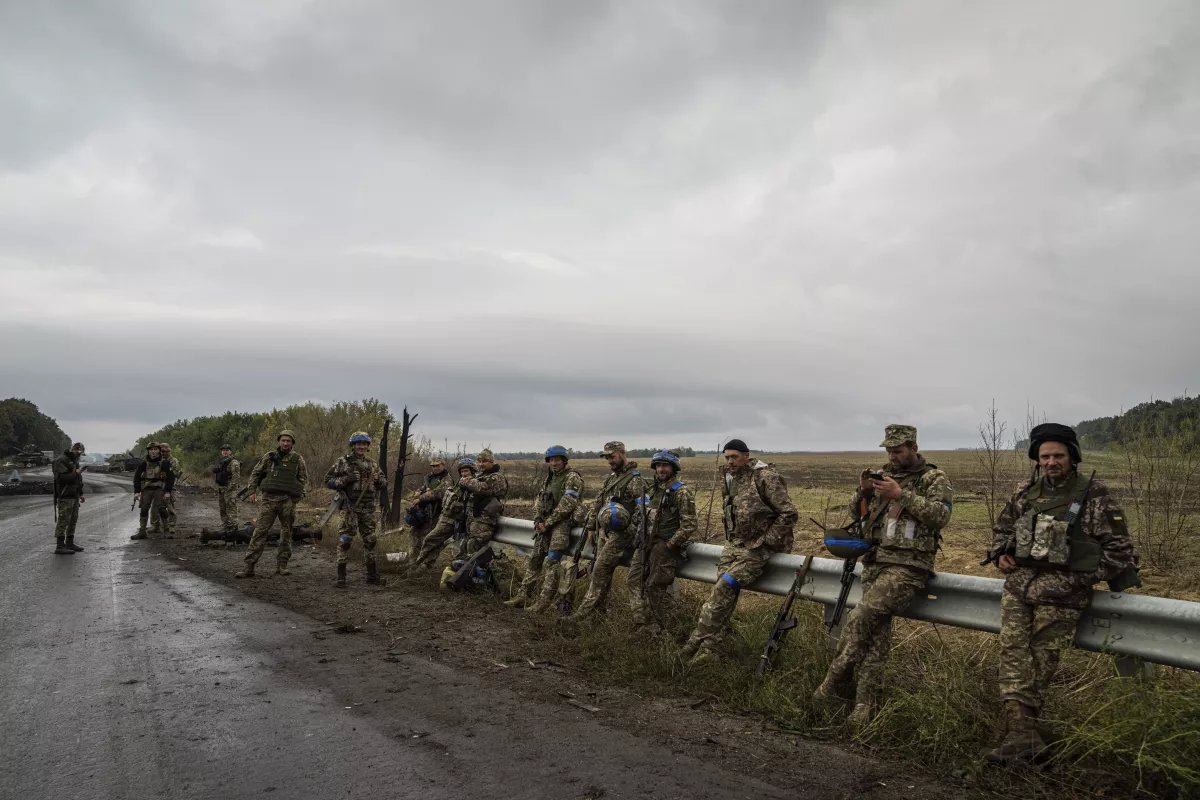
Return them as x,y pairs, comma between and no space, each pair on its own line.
849,550
784,622
576,557
642,538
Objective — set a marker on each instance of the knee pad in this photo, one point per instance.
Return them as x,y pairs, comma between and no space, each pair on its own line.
344,542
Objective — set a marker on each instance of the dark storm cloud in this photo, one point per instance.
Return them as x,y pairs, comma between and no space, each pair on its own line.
668,222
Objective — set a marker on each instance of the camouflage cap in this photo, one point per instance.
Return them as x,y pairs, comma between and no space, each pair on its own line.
436,462
485,455
286,433
152,446
899,435
614,447
78,447
226,447
164,447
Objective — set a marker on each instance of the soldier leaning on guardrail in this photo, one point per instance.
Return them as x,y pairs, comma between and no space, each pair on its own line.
68,494
759,522
671,508
553,512
907,504
1056,537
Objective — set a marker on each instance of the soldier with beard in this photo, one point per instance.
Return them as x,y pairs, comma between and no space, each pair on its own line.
153,481
1056,537
282,476
457,505
488,489
359,478
68,494
426,508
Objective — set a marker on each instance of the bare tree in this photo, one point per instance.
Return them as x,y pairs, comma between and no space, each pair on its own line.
1163,481
998,462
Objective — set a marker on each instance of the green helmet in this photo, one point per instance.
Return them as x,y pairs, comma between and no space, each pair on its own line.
288,434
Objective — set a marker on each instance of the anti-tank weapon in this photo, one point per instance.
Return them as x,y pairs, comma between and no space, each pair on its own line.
784,621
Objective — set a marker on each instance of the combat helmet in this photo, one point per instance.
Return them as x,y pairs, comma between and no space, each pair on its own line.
357,436
613,517
666,457
557,450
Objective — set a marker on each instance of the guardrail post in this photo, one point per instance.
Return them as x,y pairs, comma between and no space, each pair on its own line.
1132,667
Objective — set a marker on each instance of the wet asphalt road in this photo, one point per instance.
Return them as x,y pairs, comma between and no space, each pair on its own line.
122,675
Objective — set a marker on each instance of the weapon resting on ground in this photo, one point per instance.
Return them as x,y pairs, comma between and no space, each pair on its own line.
473,572
300,533
340,500
784,622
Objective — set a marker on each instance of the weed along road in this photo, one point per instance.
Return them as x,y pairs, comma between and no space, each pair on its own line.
126,673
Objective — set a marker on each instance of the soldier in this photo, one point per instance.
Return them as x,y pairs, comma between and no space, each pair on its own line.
553,511
456,512
168,520
759,521
906,506
358,478
68,494
153,481
671,525
488,490
1056,537
227,473
283,477
426,508
614,516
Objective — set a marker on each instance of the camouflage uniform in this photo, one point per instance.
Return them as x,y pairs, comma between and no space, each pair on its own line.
626,487
672,524
905,532
555,507
68,493
1042,604
759,522
467,507
360,478
152,478
431,494
283,478
228,474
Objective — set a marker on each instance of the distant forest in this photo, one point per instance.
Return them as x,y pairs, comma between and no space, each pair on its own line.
21,424
1157,416
640,452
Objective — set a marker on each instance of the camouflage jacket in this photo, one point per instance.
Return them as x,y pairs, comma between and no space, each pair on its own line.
626,486
559,498
1101,518
231,466
487,486
273,470
361,478
672,512
68,481
907,529
433,490
757,509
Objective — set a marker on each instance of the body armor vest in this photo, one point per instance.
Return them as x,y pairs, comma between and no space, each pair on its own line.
283,475
1045,539
664,509
155,476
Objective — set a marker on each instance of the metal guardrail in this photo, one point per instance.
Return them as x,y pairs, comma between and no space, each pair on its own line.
1155,629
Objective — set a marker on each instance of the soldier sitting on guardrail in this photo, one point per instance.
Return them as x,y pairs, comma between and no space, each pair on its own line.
904,508
1057,536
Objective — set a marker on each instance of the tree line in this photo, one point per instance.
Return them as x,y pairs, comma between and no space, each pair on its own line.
21,424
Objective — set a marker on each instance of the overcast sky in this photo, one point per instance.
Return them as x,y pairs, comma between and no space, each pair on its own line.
565,222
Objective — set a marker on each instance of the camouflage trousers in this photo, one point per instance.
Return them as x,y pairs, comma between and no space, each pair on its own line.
612,546
227,503
151,500
68,515
163,517
649,606
480,531
546,564
273,507
866,641
360,520
1032,639
737,567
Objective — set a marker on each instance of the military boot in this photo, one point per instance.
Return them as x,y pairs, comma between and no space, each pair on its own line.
61,549
141,534
517,601
688,650
1022,740
282,569
71,544
341,577
247,572
833,690
373,576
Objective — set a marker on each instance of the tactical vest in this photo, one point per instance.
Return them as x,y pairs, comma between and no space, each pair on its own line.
664,508
1045,540
904,532
491,506
224,473
553,489
283,475
619,486
363,490
155,476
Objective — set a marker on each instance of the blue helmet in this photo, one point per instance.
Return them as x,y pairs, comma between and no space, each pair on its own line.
360,436
468,462
556,450
666,457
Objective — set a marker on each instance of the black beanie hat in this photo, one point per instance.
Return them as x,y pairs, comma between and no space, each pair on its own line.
1053,432
737,444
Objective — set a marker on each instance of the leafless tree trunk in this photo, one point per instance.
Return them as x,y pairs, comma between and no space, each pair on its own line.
998,461
1163,481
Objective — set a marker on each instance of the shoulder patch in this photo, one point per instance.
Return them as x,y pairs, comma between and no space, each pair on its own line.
677,485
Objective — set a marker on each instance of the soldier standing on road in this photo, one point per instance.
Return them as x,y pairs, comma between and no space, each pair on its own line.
1056,537
553,511
170,518
759,522
68,494
614,516
358,478
671,525
905,514
456,512
227,473
426,508
283,477
153,481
